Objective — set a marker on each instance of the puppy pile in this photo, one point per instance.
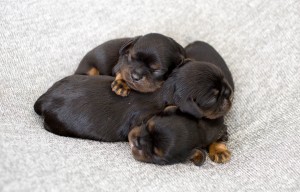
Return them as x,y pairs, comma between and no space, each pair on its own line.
168,101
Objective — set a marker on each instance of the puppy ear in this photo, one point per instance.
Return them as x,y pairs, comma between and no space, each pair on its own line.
124,49
191,107
180,51
169,110
198,156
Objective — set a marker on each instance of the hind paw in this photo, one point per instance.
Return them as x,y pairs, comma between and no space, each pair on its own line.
219,153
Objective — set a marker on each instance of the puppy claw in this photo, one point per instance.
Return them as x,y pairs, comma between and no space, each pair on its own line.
219,153
120,87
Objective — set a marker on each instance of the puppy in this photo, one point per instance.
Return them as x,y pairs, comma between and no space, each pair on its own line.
204,52
174,137
72,107
142,63
82,106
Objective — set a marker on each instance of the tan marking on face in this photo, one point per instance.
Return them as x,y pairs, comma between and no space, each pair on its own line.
133,134
222,110
145,85
159,152
151,125
138,155
211,114
155,66
93,71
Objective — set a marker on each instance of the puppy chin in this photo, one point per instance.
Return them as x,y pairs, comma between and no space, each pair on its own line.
221,110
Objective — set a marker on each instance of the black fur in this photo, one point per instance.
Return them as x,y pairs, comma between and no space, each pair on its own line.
84,107
202,51
176,136
72,107
103,57
144,61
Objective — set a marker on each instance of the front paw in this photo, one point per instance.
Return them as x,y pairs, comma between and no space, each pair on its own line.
120,87
219,153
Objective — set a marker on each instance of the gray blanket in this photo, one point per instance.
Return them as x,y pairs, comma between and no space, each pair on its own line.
43,41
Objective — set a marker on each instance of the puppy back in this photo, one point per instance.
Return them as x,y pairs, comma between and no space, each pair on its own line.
202,51
38,106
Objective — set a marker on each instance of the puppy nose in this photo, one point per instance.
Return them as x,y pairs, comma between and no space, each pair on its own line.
136,77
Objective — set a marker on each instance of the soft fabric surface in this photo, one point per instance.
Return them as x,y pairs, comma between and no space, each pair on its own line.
43,41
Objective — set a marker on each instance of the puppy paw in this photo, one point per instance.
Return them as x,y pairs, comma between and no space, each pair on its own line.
120,87
219,153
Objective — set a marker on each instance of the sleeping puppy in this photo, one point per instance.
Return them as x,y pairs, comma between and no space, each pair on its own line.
72,107
142,63
174,137
204,52
200,89
82,106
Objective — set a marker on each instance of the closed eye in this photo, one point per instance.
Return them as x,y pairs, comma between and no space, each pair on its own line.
157,72
215,92
208,102
212,100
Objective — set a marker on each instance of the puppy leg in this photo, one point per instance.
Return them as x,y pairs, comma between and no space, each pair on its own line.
198,157
93,71
119,86
219,153
85,68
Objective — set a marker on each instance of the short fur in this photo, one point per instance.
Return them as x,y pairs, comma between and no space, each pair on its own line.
217,97
82,106
143,62
173,138
72,107
202,51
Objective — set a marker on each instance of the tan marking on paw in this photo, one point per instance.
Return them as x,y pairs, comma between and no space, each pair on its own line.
120,87
219,153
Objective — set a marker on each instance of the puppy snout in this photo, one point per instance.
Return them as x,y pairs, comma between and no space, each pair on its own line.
136,77
137,143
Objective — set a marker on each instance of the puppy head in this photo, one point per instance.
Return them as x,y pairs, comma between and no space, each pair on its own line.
146,61
202,90
166,140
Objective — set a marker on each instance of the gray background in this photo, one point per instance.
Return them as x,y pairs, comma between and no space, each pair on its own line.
43,41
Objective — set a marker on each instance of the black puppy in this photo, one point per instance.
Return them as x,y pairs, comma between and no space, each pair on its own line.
204,52
174,137
72,107
142,63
